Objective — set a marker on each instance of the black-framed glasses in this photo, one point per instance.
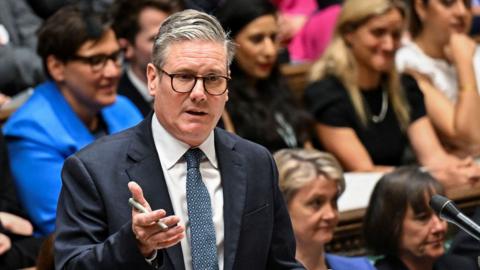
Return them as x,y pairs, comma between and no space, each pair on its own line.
98,61
214,85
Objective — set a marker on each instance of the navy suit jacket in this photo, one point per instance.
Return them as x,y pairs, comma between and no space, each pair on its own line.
94,218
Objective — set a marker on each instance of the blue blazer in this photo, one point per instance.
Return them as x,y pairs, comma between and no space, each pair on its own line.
348,263
40,135
94,229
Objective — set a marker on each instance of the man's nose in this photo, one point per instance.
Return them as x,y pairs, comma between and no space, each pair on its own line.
198,91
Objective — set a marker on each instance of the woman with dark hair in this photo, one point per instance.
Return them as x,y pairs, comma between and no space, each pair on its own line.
400,225
261,108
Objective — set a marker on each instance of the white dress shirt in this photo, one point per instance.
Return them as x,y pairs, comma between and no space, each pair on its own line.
170,152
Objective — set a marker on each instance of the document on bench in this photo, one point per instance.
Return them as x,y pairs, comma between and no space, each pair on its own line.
359,187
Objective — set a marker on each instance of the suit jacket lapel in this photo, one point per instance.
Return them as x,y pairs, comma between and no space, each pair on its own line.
234,189
147,172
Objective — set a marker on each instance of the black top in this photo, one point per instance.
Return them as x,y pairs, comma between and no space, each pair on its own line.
330,104
446,262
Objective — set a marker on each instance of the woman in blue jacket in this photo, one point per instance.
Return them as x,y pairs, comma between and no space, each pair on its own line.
77,105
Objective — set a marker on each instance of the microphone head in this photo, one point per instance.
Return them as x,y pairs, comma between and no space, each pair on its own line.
437,203
444,207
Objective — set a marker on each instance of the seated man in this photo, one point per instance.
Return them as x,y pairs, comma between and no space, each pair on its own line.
77,105
135,23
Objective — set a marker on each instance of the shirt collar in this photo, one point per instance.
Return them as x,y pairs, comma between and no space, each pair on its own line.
170,149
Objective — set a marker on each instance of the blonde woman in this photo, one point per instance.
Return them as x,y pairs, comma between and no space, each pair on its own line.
366,115
311,182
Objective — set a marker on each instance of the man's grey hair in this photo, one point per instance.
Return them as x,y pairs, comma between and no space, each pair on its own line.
189,25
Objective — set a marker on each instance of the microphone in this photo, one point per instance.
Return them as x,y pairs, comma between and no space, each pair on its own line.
447,210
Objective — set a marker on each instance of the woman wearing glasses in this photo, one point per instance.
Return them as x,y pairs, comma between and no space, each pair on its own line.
260,106
77,105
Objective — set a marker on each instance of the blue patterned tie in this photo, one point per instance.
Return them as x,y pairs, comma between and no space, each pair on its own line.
202,231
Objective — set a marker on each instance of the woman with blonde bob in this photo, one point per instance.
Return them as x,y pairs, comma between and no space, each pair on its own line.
311,182
366,114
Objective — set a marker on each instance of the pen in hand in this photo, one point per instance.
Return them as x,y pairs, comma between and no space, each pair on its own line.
142,209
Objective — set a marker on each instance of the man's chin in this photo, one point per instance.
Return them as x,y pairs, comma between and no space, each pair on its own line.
194,134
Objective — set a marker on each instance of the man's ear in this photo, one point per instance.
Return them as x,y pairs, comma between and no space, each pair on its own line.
152,79
56,68
127,47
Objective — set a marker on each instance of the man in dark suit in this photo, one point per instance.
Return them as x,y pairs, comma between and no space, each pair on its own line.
136,23
217,193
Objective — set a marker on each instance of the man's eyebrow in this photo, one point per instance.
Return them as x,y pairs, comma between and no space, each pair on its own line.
184,70
215,71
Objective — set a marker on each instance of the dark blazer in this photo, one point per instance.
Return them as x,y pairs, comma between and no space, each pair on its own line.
126,88
94,219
